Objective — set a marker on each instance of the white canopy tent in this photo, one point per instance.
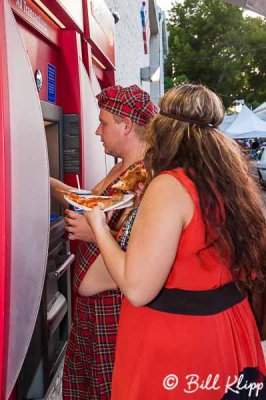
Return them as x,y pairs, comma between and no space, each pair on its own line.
227,121
258,6
246,125
260,108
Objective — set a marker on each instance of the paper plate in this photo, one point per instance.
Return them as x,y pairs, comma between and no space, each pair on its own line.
119,205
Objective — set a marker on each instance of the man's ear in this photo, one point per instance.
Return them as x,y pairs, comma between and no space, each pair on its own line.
128,125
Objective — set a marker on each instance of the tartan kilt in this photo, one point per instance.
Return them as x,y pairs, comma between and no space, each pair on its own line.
90,352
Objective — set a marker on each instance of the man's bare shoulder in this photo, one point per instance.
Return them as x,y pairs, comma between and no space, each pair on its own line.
112,175
117,168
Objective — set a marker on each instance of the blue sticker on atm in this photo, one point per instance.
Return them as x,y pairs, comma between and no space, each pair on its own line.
51,83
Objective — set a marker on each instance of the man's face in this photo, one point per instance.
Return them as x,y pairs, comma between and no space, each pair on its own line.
111,133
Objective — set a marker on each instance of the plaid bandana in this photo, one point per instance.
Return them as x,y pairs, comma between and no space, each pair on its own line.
130,102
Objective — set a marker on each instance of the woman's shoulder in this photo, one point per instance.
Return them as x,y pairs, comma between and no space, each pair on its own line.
168,196
166,188
180,175
165,180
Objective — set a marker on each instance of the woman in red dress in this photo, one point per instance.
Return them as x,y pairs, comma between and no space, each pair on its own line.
186,330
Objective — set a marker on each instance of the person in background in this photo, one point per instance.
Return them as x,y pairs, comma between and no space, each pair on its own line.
186,330
124,115
255,145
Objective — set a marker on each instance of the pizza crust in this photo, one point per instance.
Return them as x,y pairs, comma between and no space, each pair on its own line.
130,180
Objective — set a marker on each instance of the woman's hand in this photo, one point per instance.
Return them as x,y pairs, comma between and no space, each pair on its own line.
77,227
96,218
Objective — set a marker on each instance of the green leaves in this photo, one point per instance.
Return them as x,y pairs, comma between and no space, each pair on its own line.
211,42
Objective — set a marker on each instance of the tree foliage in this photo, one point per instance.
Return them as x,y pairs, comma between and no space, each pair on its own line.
211,42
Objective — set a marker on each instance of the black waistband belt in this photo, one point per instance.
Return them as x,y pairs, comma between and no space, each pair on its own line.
188,302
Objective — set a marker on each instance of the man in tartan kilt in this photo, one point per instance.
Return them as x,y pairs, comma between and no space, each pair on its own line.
124,115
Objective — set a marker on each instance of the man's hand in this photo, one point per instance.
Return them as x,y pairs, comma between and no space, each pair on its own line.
77,227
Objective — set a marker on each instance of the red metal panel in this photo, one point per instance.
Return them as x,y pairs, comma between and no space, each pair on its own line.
69,12
100,28
5,190
99,72
69,71
40,53
106,77
70,91
86,55
35,17
74,9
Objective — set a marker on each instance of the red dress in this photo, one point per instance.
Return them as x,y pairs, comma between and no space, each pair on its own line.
162,355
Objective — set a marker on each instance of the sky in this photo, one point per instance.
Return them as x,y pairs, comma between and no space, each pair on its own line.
166,5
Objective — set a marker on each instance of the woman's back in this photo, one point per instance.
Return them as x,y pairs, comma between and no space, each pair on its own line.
196,266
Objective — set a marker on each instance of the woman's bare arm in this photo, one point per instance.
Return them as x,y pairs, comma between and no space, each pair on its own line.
165,210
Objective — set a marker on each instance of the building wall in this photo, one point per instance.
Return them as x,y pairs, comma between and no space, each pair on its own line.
158,51
129,49
129,45
155,57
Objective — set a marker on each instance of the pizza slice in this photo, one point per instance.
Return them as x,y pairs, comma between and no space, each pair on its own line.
93,201
130,180
72,196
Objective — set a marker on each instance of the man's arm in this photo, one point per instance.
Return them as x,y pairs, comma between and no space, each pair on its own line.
57,185
78,228
96,280
76,225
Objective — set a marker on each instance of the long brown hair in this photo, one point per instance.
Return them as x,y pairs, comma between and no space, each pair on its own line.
218,169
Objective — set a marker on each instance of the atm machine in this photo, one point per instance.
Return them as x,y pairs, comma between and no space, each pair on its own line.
51,64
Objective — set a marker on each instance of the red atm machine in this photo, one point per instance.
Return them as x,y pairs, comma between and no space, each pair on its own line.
55,56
